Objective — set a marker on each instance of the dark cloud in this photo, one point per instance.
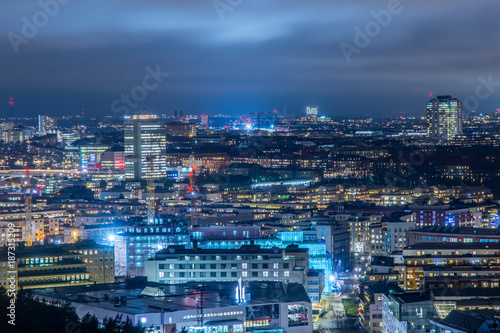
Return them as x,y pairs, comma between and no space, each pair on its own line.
263,54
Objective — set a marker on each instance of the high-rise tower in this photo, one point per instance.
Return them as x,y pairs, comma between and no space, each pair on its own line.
144,138
444,117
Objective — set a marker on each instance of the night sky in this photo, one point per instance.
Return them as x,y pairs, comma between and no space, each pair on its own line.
247,56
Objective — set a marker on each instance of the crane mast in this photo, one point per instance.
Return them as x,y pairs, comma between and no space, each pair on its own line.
258,117
194,201
28,206
151,192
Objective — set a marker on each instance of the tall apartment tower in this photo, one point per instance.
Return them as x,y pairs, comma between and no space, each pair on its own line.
145,147
46,124
444,117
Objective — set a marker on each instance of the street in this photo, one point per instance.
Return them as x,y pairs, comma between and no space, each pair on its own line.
334,317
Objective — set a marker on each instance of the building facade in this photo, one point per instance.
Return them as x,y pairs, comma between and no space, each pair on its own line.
56,266
176,264
145,147
444,117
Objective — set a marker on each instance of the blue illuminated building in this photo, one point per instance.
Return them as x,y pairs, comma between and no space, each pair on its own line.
319,258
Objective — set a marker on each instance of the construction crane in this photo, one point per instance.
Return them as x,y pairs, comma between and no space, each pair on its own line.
258,117
11,103
151,191
28,206
194,202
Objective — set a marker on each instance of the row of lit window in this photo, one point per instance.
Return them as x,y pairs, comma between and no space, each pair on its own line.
215,314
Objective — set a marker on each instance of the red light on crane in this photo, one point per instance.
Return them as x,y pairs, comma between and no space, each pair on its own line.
194,168
190,188
97,166
27,170
190,174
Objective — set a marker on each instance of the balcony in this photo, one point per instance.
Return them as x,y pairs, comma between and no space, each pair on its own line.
66,261
49,272
54,283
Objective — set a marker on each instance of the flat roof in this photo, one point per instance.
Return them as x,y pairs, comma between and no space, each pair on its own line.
466,292
178,297
454,245
244,249
412,297
454,230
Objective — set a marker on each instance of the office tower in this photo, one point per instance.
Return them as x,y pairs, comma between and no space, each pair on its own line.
311,111
113,159
444,117
46,124
204,120
181,129
145,147
91,156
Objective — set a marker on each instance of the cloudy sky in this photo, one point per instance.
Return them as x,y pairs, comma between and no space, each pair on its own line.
241,56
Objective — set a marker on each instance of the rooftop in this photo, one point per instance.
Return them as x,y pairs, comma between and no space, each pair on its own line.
244,249
453,246
412,297
382,287
436,229
147,297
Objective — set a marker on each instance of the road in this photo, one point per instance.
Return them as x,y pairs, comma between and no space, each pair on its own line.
334,316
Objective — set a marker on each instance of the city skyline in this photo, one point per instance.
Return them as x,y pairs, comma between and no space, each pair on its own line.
238,166
248,57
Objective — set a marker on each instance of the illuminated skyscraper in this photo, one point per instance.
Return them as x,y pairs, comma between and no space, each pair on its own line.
204,120
145,147
444,117
46,124
311,111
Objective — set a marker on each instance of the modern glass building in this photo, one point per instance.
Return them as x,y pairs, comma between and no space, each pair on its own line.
319,258
145,147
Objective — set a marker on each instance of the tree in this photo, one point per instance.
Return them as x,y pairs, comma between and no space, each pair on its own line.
33,315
